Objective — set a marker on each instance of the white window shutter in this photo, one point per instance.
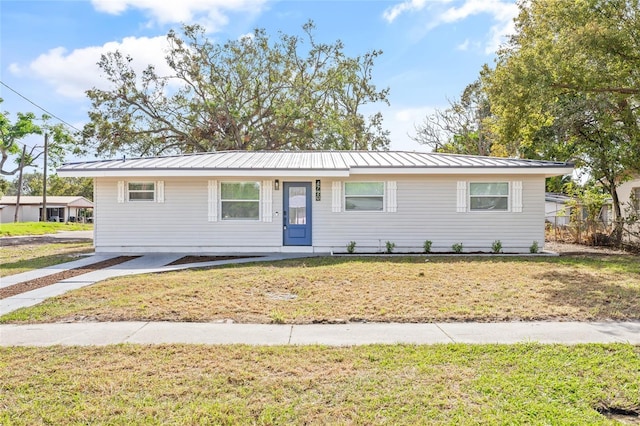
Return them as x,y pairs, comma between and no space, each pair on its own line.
516,196
267,201
160,191
336,196
461,205
120,191
392,200
212,200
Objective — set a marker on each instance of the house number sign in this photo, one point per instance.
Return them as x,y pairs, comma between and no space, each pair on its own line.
317,189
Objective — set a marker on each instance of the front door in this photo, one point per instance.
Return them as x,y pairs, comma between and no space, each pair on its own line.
297,214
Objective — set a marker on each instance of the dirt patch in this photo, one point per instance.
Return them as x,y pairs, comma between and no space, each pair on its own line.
60,276
565,249
200,259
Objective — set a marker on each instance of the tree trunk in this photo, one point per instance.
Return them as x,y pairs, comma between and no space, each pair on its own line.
616,234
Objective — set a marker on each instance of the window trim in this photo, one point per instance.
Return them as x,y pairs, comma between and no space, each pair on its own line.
139,191
383,196
259,201
508,197
635,197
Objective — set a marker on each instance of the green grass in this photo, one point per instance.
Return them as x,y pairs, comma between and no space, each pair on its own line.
400,384
40,228
22,258
379,289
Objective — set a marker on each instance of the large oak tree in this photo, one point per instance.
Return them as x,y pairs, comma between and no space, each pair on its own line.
253,93
567,85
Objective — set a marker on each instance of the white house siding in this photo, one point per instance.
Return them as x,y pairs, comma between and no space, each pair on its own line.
625,190
179,224
25,214
426,210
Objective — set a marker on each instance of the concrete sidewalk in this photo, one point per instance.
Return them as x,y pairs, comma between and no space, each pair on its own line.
324,334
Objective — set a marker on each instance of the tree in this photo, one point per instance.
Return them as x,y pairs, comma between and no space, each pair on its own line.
25,125
32,185
566,87
246,94
459,128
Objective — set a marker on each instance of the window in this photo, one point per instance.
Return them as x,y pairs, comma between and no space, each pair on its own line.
489,196
141,191
364,196
240,200
635,198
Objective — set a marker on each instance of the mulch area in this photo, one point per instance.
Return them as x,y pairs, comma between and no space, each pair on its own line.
60,276
200,259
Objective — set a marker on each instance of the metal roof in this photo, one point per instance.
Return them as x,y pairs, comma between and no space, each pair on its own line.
326,163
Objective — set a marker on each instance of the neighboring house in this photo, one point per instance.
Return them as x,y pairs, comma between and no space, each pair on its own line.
629,194
59,208
558,209
316,201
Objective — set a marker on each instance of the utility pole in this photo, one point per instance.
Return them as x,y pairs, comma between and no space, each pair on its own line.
24,152
44,183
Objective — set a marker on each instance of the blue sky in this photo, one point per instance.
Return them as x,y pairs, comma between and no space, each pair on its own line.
432,48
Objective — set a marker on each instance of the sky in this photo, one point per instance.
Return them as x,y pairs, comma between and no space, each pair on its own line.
432,49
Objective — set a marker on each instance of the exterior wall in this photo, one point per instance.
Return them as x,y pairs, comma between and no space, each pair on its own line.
625,190
180,224
426,210
25,214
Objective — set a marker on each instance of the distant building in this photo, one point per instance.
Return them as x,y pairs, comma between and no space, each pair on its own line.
59,208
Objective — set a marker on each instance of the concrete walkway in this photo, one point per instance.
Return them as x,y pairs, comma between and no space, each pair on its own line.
324,334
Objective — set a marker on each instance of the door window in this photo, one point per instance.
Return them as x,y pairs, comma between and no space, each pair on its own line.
297,205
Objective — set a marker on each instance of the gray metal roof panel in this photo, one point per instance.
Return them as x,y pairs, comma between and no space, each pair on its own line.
309,160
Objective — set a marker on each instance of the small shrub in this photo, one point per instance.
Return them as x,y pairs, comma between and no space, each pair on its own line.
390,246
534,247
496,246
427,246
277,317
351,247
457,248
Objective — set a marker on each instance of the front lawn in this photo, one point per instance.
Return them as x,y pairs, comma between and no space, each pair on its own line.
338,289
40,228
22,258
400,384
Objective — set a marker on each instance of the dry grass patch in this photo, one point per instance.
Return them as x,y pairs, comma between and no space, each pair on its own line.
331,289
402,384
21,258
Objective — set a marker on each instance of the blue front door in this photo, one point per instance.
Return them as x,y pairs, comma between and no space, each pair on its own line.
297,214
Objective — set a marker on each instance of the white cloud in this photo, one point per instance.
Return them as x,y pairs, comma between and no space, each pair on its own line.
502,12
401,124
464,45
209,13
72,73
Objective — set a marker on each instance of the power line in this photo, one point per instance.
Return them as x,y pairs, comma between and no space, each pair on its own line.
38,106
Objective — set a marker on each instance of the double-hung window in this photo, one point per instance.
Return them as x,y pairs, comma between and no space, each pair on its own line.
364,196
240,200
141,191
489,196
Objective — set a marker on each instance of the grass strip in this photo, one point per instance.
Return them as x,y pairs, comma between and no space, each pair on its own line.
15,259
40,228
396,384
